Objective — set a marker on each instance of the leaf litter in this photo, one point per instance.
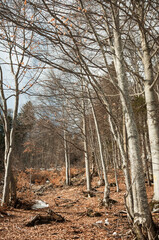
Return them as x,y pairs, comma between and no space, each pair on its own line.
83,218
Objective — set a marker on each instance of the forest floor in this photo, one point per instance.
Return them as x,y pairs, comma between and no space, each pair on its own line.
85,217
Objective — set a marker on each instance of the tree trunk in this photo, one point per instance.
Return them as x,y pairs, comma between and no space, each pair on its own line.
142,216
106,189
152,114
7,180
145,154
85,144
87,165
13,187
67,170
129,196
114,157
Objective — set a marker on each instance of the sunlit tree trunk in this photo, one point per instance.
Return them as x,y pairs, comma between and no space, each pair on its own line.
152,113
142,216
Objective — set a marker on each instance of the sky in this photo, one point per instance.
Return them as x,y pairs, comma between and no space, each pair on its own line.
8,82
8,79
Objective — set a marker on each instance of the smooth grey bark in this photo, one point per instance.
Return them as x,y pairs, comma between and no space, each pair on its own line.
87,164
95,162
67,165
107,65
118,139
8,173
9,141
106,188
85,145
152,113
142,215
114,156
145,158
16,60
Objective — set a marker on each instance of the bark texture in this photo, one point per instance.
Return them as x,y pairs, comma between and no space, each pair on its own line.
106,188
152,114
142,216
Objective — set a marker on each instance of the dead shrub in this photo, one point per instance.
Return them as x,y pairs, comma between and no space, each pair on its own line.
23,181
38,178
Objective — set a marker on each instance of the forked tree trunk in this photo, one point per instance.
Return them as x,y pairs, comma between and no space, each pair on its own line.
9,187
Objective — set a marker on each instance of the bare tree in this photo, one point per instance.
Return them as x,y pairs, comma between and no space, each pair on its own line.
88,39
18,65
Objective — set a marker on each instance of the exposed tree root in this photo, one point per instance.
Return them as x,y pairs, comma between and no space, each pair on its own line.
144,233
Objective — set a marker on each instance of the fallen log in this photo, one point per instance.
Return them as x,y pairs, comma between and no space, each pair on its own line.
2,214
45,219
